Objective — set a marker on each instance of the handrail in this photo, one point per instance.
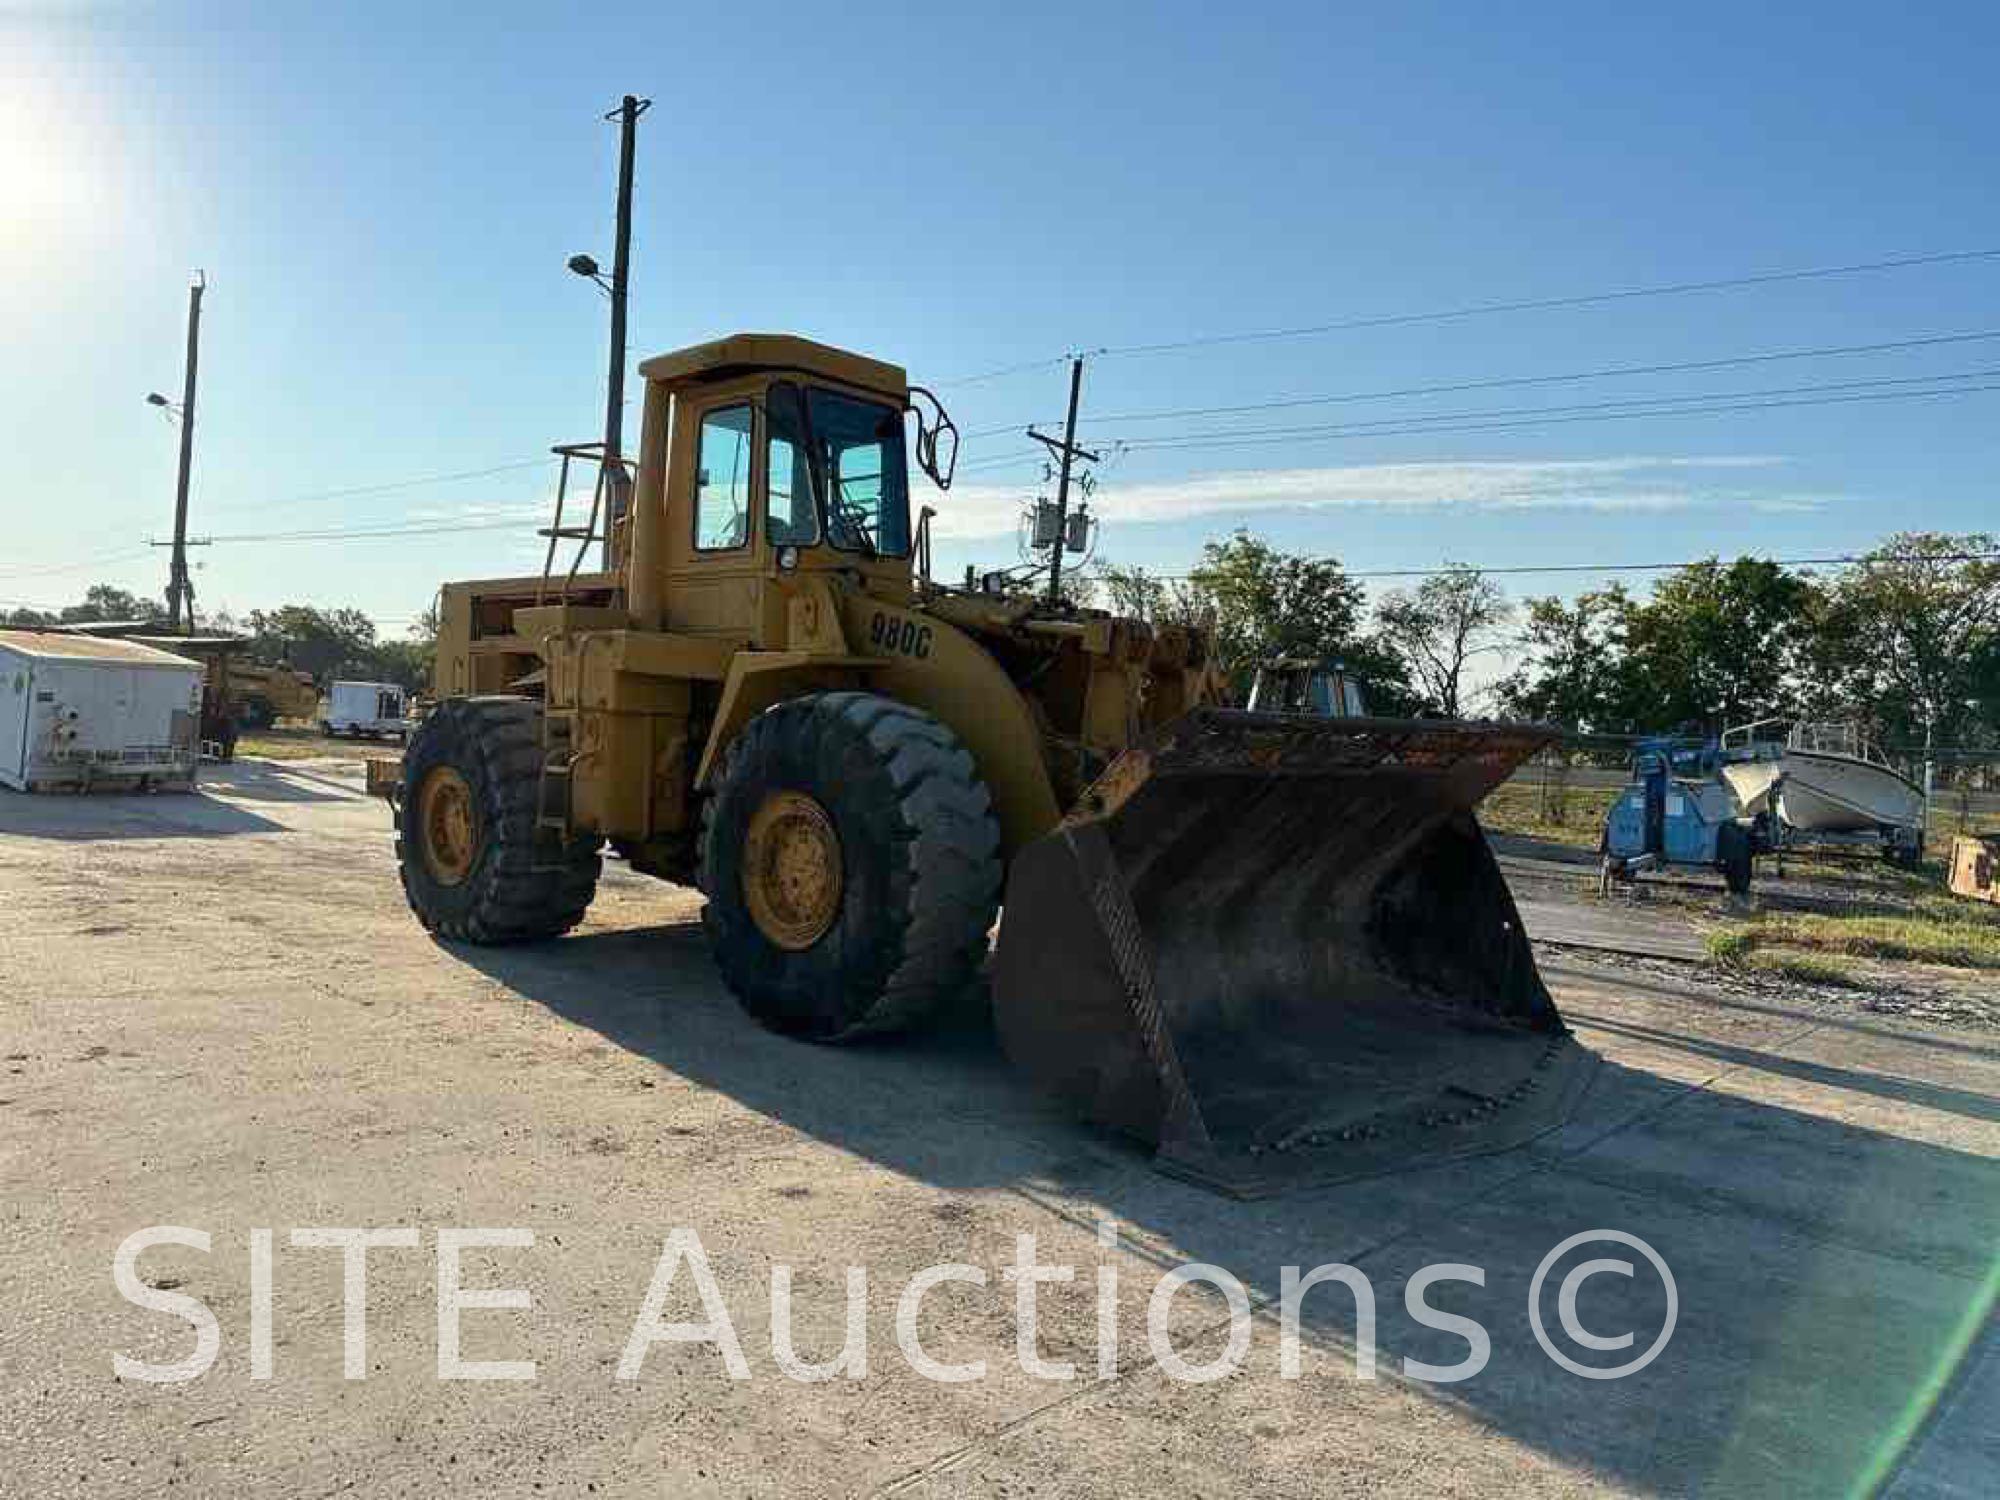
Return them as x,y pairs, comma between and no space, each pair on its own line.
1747,733
555,531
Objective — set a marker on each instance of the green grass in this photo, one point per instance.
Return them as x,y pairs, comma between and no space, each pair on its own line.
1729,946
270,749
1813,968
1938,932
305,745
1736,948
1518,807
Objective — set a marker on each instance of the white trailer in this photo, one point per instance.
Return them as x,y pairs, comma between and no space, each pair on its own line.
364,708
81,711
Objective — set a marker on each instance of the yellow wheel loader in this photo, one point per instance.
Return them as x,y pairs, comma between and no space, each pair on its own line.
1276,946
262,694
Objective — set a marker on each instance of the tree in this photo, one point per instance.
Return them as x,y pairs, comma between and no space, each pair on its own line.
1718,644
1271,603
315,640
1576,672
1440,626
406,662
1911,634
1256,603
1265,603
1138,595
103,601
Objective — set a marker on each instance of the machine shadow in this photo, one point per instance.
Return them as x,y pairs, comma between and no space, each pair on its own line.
1824,1271
91,816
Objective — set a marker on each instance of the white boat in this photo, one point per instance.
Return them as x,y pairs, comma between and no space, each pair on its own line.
1821,778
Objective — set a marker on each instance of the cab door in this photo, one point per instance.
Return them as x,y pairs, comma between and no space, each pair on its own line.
715,550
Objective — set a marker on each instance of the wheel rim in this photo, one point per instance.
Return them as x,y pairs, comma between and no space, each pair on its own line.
450,826
792,879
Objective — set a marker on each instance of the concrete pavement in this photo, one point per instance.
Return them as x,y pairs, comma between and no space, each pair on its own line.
219,1015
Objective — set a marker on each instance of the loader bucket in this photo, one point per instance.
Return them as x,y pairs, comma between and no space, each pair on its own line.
1279,948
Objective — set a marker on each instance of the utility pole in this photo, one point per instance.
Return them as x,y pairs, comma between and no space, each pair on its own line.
180,590
627,115
1068,452
611,470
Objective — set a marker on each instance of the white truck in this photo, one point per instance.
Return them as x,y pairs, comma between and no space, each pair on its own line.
81,712
365,709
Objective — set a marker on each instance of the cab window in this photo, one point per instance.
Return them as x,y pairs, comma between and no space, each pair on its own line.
722,480
788,512
868,494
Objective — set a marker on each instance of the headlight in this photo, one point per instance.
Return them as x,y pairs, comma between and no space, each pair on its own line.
788,558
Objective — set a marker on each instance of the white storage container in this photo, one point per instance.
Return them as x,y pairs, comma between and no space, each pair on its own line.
82,711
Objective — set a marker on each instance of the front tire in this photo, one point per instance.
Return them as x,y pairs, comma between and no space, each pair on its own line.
851,861
475,867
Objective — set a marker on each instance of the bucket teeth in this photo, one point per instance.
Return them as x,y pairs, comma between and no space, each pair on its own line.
1280,947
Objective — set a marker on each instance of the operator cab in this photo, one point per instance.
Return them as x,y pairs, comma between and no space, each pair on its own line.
1294,686
771,454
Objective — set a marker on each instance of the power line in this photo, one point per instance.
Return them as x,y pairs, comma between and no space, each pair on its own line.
1495,309
987,465
123,554
418,481
1548,417
1549,304
1613,404
1608,372
1018,369
361,534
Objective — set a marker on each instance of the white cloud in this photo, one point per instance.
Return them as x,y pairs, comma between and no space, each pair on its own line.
534,512
1638,483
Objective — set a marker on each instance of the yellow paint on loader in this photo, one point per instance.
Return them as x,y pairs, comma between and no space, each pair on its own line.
1275,945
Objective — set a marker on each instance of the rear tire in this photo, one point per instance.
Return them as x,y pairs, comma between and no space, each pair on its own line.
888,801
474,865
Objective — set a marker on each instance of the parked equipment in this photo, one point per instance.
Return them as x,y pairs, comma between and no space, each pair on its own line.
1299,685
1975,867
1276,945
78,712
373,710
1824,784
262,694
1678,811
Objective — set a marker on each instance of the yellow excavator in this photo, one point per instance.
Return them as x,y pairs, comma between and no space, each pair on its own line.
1274,945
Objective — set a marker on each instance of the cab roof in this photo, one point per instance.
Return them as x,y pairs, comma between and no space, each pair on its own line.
745,353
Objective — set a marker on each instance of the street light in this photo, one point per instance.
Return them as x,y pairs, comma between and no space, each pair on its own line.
586,266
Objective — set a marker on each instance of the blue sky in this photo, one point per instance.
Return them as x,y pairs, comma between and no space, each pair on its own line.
383,198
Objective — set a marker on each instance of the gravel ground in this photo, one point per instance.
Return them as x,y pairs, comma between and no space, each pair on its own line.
1947,998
